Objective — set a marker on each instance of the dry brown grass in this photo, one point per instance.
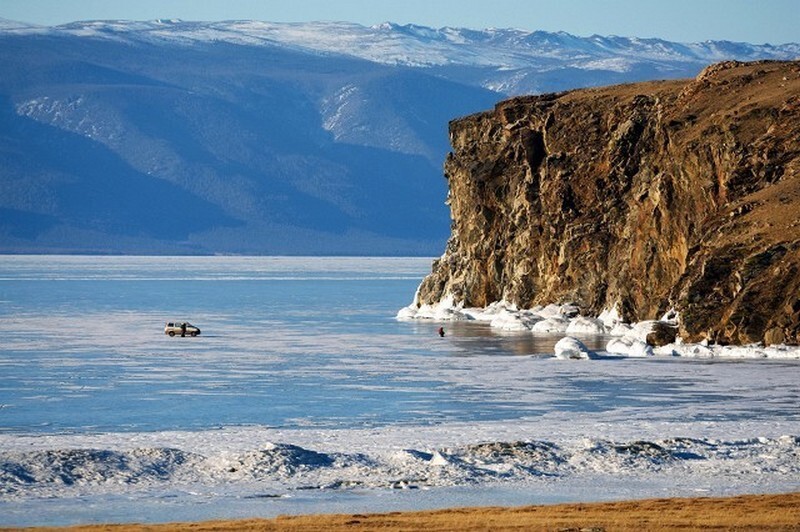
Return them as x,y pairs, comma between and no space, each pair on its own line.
743,513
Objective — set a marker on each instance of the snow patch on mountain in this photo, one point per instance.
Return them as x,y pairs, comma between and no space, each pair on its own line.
420,46
75,114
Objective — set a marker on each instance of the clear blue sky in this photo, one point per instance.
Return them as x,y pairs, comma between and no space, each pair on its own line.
755,21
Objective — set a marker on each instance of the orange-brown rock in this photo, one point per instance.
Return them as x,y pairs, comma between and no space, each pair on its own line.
649,196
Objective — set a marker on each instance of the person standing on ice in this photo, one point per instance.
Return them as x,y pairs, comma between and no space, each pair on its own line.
441,332
183,330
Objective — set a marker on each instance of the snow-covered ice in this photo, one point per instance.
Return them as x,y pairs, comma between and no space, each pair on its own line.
305,394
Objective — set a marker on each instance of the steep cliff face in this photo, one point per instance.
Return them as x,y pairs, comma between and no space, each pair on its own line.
643,197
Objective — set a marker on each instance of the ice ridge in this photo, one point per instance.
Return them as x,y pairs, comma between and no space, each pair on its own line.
286,467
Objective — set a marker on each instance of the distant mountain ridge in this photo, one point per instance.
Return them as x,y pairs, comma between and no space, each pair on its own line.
252,137
420,46
409,44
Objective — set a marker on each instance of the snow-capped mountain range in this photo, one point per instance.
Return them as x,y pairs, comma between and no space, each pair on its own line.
259,137
502,50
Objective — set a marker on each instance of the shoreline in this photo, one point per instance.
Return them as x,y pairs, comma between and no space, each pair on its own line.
771,512
644,339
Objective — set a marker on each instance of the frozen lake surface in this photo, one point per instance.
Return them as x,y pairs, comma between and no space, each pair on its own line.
304,394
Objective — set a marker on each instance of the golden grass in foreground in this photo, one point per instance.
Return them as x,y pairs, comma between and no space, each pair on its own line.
750,512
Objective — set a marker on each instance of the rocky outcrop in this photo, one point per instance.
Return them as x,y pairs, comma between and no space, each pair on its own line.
646,197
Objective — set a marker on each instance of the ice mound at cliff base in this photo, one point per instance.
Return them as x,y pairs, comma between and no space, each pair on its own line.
515,321
555,324
444,310
620,329
583,325
730,352
638,340
571,348
499,315
629,346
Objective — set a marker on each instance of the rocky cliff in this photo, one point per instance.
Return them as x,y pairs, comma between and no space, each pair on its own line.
646,197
